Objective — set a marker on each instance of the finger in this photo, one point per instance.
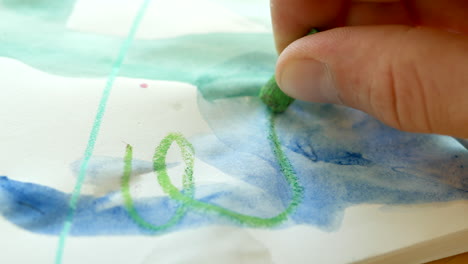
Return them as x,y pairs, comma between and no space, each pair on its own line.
292,19
445,14
414,79
377,13
376,1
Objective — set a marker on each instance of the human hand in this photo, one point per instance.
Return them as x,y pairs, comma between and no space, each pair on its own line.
404,62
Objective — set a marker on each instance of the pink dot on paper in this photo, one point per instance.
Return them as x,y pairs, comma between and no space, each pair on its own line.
144,85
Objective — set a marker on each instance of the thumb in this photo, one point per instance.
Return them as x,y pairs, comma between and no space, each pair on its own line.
411,78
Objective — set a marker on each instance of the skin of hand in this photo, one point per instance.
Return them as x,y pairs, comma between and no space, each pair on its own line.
403,62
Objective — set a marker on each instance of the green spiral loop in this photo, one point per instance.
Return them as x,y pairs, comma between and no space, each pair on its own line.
186,198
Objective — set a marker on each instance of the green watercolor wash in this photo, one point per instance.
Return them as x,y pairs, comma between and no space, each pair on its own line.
186,199
49,46
239,76
52,10
213,62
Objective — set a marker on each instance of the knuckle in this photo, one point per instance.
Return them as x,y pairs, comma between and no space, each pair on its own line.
399,93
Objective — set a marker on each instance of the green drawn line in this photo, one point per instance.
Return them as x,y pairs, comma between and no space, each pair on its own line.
187,185
72,204
186,198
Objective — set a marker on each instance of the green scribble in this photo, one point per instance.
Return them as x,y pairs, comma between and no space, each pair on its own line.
186,199
188,185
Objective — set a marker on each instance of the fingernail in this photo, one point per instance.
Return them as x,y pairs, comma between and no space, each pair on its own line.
308,80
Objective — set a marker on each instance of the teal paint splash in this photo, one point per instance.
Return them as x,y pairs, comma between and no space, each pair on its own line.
51,10
186,199
95,131
48,45
238,76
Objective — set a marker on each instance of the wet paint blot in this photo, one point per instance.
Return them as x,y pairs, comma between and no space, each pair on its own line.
144,85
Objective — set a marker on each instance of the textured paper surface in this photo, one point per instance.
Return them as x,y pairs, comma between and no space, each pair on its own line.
369,191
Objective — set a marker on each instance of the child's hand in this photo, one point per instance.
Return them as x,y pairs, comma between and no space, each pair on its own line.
404,62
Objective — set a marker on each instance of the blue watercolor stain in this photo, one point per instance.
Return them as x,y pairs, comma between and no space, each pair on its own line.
342,157
42,209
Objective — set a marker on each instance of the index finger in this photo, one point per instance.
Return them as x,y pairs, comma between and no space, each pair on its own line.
293,19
